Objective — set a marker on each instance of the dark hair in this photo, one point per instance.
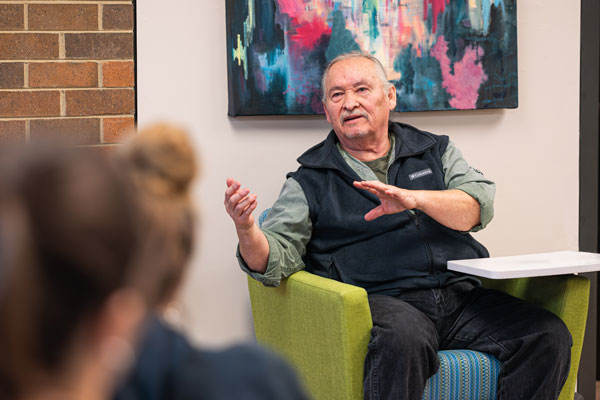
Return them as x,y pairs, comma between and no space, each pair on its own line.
75,226
68,238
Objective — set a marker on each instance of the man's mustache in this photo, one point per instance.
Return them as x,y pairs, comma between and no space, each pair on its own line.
351,114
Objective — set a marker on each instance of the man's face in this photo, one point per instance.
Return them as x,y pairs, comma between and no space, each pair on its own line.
356,103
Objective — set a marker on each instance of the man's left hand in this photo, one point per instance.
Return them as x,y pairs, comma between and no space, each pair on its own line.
393,199
452,208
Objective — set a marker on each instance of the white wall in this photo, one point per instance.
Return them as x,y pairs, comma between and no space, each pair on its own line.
531,152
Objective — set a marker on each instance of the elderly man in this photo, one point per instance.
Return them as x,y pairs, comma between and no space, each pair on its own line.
384,206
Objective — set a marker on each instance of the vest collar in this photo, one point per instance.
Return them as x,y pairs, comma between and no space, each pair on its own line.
410,141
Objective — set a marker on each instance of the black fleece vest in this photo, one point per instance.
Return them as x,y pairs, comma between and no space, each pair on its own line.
394,252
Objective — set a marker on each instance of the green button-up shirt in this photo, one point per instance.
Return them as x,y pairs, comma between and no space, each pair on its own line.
288,227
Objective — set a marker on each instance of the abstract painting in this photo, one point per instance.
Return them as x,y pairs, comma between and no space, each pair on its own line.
439,54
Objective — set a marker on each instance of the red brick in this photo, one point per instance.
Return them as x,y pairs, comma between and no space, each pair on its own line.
12,17
99,45
117,16
12,75
74,131
28,46
63,74
100,102
116,129
29,103
63,17
12,132
106,149
118,74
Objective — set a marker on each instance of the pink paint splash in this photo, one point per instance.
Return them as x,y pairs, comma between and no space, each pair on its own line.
468,75
438,7
293,8
309,32
303,37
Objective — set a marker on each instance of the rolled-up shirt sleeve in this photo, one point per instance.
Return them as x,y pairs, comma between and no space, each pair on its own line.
458,174
288,229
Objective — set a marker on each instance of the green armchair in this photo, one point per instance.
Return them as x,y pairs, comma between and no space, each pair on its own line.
307,307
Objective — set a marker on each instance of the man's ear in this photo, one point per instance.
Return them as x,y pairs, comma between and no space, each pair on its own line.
392,97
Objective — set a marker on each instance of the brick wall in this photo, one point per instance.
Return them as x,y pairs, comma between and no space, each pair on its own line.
66,70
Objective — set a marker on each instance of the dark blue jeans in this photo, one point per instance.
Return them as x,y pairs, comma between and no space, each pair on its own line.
533,344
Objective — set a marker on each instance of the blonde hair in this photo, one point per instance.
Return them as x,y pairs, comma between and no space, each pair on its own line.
164,165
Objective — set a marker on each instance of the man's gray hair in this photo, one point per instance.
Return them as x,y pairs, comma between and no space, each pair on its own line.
379,69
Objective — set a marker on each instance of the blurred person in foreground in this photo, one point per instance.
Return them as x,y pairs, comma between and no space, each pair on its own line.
72,292
89,242
163,165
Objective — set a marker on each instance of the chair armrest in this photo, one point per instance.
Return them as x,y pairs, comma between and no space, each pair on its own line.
566,296
321,326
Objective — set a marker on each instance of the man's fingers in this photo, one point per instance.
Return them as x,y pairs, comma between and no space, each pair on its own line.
365,186
231,188
377,188
376,192
250,208
241,205
245,218
374,213
370,184
238,196
232,202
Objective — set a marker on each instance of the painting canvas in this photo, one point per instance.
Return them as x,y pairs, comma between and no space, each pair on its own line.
440,54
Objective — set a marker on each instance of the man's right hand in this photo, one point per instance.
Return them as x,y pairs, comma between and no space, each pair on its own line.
240,204
254,246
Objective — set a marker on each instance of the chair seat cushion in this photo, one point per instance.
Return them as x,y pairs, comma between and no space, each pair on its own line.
464,375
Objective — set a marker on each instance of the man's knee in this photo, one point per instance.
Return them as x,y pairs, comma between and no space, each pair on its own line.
556,336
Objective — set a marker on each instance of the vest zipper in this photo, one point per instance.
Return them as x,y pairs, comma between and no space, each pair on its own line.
429,253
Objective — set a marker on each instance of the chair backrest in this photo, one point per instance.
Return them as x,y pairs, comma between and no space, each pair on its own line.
566,296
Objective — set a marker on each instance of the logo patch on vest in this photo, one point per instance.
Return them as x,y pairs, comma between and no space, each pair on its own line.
420,174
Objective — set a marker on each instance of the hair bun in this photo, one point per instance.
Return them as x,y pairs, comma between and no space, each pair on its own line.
163,159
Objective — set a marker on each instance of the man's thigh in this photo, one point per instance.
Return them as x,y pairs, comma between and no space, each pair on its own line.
497,323
403,325
402,352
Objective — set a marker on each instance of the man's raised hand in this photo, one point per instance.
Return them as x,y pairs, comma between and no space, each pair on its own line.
239,204
393,199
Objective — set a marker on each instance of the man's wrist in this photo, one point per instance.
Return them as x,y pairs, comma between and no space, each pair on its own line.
420,199
244,229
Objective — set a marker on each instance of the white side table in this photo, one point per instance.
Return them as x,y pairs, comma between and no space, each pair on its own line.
529,265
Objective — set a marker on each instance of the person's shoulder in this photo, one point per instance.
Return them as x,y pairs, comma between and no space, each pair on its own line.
240,372
161,354
252,355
